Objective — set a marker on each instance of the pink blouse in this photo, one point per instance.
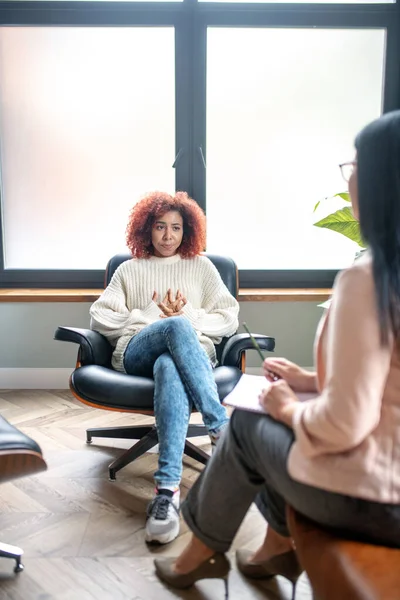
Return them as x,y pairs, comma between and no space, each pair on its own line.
348,437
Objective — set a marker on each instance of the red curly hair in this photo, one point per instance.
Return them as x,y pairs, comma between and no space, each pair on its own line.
150,208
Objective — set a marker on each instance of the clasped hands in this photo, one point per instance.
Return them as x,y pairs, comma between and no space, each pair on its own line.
170,306
280,399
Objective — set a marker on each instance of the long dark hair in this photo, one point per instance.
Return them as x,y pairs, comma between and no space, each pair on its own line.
378,168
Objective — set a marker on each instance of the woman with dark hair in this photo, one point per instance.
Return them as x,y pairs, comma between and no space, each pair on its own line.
336,457
163,311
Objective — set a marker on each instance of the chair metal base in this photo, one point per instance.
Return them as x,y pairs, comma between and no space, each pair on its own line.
195,452
8,551
148,438
125,433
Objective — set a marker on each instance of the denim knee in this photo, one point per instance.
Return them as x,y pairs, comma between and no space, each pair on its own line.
163,362
179,326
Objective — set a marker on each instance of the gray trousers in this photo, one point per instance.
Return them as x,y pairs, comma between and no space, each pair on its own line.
249,464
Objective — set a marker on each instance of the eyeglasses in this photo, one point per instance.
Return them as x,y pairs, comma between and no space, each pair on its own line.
347,169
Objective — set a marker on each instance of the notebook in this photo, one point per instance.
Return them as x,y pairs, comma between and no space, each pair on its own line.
245,394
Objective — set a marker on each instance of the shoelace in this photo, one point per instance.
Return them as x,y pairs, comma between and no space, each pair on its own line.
159,507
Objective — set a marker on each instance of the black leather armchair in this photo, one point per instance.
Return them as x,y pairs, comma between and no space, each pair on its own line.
19,456
94,382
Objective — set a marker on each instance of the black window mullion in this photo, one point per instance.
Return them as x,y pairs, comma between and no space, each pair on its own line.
392,66
76,13
184,102
391,91
290,279
52,278
199,144
297,15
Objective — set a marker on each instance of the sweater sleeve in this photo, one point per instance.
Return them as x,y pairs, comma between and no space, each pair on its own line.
218,315
357,367
110,315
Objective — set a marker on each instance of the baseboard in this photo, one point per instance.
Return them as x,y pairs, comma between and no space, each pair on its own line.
34,379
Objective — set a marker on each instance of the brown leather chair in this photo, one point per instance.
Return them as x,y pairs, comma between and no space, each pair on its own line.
341,569
94,382
19,456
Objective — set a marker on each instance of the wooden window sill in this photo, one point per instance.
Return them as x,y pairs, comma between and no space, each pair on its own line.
90,295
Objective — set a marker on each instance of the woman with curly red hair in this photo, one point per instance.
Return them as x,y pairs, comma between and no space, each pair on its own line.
163,311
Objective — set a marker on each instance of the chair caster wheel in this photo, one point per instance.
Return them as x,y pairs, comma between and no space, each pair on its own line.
89,441
18,568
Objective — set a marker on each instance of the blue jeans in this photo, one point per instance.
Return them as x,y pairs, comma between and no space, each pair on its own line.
169,351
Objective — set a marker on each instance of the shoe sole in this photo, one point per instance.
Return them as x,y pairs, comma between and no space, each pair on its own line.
164,538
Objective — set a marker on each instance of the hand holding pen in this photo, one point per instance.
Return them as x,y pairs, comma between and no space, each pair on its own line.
269,374
300,380
297,378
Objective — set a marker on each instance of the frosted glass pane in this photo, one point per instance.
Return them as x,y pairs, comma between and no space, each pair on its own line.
87,120
283,107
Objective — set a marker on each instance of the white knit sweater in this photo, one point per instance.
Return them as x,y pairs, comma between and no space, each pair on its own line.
126,307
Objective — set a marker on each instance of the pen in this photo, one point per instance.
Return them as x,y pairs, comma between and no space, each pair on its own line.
257,347
253,341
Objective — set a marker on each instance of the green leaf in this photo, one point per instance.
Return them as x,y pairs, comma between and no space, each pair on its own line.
316,206
344,195
343,222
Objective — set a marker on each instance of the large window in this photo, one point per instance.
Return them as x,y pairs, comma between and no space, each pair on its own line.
87,121
249,107
282,109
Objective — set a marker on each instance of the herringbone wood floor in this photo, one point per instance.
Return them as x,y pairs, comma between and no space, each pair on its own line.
82,535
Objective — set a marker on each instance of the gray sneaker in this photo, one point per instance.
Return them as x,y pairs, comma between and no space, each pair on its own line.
162,524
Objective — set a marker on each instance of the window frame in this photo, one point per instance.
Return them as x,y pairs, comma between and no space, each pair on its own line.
191,20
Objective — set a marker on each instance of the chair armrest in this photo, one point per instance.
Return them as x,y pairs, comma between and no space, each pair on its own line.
239,343
94,347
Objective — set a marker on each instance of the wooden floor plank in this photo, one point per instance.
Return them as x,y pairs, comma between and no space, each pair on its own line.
82,535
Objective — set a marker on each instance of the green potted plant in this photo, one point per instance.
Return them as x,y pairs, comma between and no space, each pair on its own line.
342,221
